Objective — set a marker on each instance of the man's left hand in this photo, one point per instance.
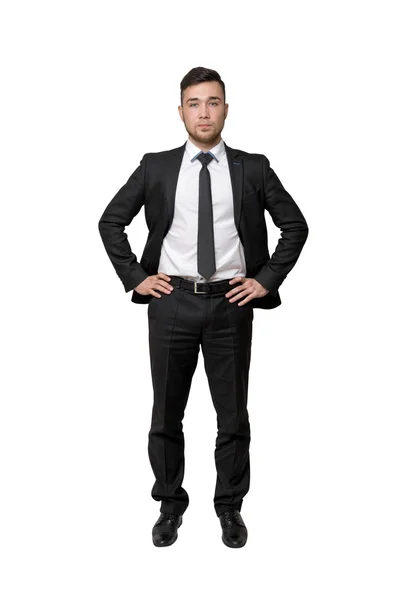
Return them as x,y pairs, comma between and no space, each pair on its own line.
249,290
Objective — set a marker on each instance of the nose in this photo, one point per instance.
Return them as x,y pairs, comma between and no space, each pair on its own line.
204,111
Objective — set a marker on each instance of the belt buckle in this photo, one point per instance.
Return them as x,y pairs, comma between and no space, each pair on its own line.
195,289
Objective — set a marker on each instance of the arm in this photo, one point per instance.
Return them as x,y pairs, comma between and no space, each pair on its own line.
118,214
294,231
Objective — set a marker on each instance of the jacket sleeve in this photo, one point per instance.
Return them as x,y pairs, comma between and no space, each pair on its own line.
118,214
294,230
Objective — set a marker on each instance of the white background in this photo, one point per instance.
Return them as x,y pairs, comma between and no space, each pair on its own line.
88,88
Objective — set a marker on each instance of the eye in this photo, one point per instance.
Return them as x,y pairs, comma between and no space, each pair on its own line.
195,104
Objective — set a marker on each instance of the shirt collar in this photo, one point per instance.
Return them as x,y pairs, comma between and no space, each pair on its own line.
193,151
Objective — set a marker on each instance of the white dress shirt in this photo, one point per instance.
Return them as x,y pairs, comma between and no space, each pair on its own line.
179,248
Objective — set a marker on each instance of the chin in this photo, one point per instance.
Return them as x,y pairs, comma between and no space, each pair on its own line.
203,133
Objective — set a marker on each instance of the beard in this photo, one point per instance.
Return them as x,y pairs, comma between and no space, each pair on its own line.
204,136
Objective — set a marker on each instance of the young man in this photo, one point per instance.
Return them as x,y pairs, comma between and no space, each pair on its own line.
204,268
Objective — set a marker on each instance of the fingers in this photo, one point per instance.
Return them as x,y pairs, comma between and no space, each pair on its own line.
238,288
162,285
244,292
243,296
162,282
247,299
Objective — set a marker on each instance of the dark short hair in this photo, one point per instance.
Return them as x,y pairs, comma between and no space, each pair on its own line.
198,75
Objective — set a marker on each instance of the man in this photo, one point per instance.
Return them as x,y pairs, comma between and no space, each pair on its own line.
204,268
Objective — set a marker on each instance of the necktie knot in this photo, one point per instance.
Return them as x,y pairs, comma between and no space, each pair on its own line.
205,158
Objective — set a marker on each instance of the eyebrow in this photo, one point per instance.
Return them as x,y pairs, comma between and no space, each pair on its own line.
209,98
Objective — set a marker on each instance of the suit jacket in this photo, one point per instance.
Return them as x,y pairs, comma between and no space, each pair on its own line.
256,188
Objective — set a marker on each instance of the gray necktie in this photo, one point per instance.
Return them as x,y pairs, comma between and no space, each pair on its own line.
205,235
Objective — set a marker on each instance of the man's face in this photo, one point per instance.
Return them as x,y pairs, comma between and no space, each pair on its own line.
203,104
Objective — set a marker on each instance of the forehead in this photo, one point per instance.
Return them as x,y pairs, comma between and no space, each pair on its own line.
203,90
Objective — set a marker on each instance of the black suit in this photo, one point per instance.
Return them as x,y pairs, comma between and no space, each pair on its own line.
255,187
182,322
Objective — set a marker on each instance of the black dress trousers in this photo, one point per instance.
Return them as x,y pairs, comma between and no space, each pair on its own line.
179,324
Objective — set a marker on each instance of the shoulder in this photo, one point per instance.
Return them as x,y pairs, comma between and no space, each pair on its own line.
254,157
162,154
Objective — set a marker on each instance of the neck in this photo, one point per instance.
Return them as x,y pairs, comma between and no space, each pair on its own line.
205,146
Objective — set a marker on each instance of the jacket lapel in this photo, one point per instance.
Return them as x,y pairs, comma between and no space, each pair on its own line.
173,167
236,170
235,163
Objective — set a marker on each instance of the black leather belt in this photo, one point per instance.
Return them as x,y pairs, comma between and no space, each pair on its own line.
196,287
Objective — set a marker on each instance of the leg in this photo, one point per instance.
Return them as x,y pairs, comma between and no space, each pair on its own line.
174,348
226,347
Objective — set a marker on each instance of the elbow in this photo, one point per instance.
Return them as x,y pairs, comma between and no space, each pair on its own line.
102,227
103,222
305,231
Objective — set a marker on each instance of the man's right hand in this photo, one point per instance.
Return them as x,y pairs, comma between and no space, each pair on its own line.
153,283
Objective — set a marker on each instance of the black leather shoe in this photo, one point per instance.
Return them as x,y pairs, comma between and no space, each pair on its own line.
165,530
234,531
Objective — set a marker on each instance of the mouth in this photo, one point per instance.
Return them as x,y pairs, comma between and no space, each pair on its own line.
204,125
